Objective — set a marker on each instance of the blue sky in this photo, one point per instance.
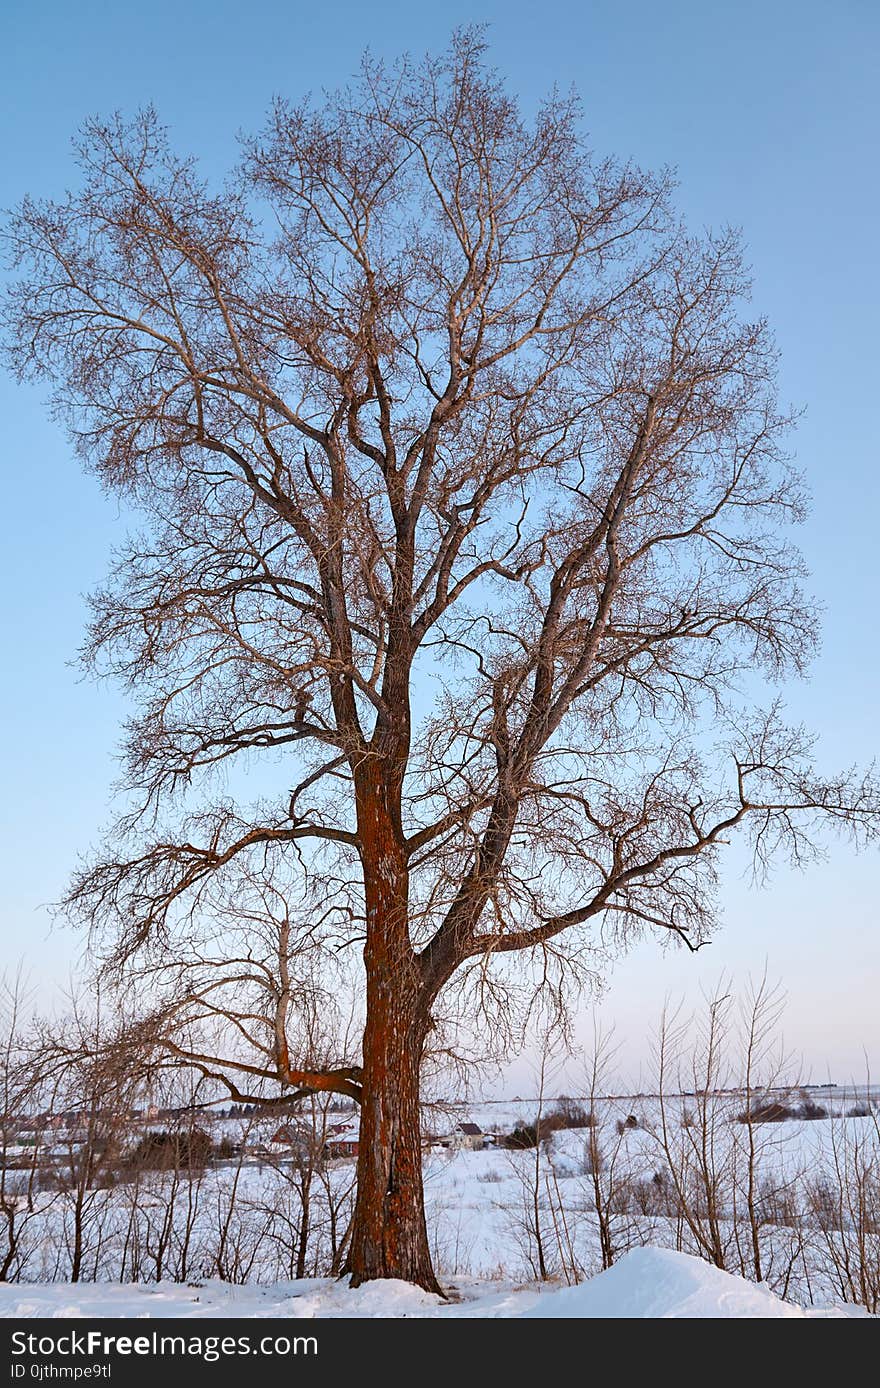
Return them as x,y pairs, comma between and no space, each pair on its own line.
769,112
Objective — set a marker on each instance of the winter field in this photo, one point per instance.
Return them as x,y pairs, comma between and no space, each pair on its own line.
622,1206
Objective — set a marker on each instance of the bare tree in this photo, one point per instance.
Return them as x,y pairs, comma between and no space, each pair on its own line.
461,482
605,1156
766,1196
162,1184
844,1195
732,1185
529,1221
23,1130
93,1078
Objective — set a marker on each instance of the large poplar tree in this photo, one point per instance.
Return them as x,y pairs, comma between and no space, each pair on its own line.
464,507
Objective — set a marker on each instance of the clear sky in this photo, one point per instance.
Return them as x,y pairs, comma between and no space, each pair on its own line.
769,112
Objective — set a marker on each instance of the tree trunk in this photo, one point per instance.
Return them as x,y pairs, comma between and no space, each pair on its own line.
390,1237
389,1234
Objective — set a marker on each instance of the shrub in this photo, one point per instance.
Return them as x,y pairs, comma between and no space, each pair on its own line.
826,1205
767,1111
164,1150
778,1204
811,1111
568,1113
523,1136
593,1161
653,1196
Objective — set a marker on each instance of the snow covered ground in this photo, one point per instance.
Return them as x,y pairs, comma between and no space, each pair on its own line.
647,1283
226,1240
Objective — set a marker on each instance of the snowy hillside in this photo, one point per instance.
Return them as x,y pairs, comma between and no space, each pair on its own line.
257,1225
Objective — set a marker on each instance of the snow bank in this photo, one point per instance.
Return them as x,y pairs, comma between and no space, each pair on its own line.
659,1284
646,1283
302,1300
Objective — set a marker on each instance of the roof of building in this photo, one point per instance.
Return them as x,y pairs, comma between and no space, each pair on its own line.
287,1133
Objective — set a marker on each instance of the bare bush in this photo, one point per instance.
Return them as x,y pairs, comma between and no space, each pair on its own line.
25,1132
845,1199
606,1158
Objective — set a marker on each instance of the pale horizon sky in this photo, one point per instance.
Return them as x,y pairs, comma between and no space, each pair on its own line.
770,115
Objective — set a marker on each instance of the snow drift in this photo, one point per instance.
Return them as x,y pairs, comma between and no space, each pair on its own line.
657,1283
652,1283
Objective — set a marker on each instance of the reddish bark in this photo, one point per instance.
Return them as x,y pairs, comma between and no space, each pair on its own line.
389,1236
